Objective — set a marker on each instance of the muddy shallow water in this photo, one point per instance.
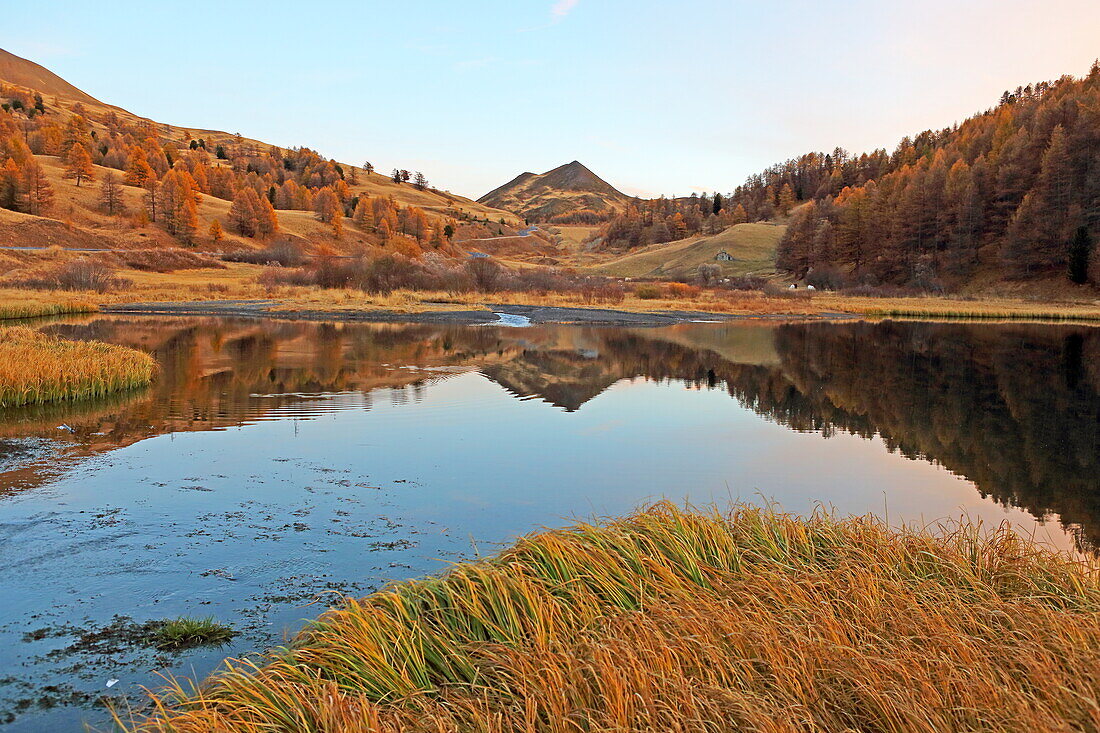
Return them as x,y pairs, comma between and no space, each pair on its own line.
274,465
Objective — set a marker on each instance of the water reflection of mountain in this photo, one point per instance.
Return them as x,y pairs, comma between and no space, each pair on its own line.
1014,408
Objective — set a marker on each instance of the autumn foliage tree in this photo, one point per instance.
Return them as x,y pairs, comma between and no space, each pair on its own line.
163,162
138,170
9,184
245,212
216,233
177,206
110,194
38,193
78,164
326,205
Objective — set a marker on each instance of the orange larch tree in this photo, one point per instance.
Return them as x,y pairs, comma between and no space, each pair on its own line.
78,164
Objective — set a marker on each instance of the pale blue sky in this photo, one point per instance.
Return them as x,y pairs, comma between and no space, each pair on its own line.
656,97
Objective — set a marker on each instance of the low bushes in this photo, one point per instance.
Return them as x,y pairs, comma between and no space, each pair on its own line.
82,274
284,254
386,273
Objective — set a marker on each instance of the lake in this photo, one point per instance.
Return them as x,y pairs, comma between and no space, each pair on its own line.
275,465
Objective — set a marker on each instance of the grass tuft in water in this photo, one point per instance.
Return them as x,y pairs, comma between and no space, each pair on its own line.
189,631
36,368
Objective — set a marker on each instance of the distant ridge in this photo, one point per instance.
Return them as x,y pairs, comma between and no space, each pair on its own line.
568,193
21,72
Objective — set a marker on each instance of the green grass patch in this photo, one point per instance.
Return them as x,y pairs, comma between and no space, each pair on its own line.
190,631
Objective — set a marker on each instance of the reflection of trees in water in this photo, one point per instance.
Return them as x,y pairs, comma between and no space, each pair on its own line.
1014,408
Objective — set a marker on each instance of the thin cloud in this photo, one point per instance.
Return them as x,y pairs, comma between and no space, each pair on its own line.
561,8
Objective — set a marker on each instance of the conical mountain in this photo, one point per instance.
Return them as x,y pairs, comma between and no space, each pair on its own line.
570,193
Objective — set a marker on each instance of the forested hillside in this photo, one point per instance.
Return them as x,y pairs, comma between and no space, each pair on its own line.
654,221
100,169
1013,192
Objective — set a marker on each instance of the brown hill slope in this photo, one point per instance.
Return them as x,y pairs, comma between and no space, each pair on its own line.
568,193
21,72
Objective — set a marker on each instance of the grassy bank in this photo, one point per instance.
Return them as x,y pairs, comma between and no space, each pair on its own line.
980,309
672,620
32,304
36,368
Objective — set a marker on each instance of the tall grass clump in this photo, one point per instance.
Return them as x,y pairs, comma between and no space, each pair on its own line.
36,368
674,620
17,309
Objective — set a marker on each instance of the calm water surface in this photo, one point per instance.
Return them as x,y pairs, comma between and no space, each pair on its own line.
276,464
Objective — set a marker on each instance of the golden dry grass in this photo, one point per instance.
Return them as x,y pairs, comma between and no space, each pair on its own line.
36,368
674,620
988,308
15,304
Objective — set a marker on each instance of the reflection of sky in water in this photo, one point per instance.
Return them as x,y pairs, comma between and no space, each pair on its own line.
348,490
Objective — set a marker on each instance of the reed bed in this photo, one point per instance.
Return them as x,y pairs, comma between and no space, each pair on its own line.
15,309
991,311
36,368
686,620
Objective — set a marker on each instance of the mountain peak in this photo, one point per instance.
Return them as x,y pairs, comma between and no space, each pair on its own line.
570,192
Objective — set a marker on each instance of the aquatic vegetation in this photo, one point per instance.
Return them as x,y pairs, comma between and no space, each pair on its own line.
188,631
677,619
36,368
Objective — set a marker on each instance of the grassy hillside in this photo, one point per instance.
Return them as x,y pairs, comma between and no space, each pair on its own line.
751,245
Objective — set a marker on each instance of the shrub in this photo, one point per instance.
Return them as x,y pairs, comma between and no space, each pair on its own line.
682,290
708,274
485,274
286,254
82,274
387,273
603,292
827,278
647,291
